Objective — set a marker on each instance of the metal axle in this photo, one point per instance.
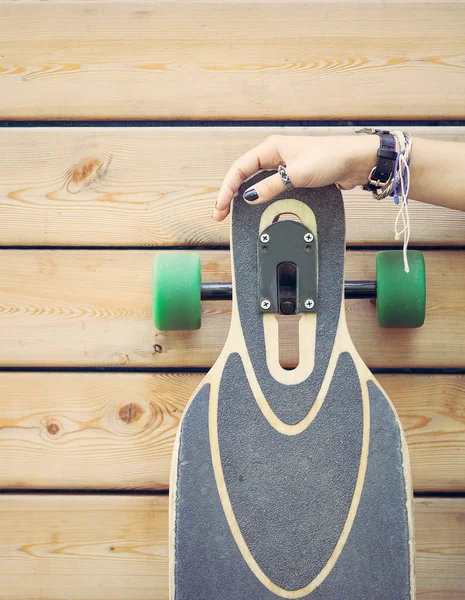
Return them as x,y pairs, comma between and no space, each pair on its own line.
352,290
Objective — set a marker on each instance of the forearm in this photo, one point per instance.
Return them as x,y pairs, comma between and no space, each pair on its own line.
437,171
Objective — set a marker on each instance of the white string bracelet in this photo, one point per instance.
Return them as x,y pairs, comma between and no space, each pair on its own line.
401,186
398,187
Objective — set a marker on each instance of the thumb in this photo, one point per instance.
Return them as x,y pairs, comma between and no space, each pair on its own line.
265,190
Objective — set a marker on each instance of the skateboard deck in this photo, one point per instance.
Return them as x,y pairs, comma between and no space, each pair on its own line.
290,483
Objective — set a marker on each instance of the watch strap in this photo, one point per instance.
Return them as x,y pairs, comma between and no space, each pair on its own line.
386,159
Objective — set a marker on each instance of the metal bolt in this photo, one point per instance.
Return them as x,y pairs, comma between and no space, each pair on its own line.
265,238
308,237
266,304
309,303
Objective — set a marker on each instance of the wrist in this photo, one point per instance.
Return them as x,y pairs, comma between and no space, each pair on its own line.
362,158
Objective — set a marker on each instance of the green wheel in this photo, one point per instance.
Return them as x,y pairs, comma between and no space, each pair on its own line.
176,291
401,296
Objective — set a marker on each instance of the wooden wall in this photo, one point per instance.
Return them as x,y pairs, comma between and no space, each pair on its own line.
90,393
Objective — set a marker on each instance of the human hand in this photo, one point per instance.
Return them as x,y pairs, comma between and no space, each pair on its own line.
310,161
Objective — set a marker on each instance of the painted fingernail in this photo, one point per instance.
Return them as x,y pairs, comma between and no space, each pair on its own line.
250,195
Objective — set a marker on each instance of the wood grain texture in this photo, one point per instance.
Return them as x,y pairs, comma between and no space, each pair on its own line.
116,547
116,430
187,60
157,187
93,308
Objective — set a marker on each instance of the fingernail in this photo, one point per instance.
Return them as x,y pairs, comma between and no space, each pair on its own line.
250,195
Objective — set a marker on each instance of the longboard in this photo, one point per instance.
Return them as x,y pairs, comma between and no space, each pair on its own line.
290,483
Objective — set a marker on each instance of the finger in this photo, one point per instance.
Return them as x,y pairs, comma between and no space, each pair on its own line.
235,176
220,215
264,156
265,190
268,188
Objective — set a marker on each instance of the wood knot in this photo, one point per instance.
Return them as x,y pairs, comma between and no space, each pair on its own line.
85,172
158,348
130,413
53,428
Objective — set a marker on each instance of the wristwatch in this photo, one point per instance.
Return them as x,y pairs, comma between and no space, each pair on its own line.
382,172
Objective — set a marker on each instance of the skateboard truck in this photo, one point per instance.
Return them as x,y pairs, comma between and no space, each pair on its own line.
287,258
178,290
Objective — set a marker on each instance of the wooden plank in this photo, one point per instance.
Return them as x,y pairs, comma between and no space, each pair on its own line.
83,547
439,532
116,547
93,308
187,60
157,186
52,423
